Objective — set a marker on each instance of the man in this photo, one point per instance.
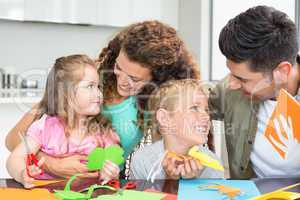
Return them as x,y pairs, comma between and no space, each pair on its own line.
261,47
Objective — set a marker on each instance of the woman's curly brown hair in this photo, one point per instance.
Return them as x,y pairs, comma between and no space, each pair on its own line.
155,46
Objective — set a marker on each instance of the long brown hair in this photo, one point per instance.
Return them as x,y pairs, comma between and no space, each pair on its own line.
155,46
60,91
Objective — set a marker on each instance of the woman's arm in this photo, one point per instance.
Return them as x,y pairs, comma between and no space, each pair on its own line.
16,163
62,167
67,166
13,138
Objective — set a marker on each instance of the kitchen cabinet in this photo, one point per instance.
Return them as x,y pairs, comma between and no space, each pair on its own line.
116,13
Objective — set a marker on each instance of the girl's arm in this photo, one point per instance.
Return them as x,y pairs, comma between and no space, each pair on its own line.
16,163
110,170
12,138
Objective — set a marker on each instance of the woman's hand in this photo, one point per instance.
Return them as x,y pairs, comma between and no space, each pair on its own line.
109,171
68,166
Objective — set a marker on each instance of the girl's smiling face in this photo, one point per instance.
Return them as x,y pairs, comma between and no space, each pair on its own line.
88,96
192,119
189,122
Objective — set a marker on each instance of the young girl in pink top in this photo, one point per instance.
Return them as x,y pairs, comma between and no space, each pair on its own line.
68,124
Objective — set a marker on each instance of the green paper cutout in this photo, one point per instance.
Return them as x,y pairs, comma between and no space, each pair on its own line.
98,156
130,195
96,159
114,154
67,194
121,194
99,187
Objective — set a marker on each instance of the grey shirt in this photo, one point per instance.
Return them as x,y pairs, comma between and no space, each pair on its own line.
149,156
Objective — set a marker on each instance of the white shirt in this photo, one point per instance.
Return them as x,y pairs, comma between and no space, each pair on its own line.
265,159
146,158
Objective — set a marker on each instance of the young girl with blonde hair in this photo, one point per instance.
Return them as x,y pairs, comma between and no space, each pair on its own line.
179,120
66,124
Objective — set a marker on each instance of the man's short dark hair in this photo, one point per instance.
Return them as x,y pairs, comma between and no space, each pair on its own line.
262,36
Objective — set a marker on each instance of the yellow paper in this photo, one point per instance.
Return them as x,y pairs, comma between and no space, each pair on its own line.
280,194
45,182
205,159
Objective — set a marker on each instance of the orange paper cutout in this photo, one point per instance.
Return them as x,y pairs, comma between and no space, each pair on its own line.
286,106
230,192
44,182
34,194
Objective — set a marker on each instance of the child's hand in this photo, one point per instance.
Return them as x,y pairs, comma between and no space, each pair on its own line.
109,171
172,167
192,168
27,180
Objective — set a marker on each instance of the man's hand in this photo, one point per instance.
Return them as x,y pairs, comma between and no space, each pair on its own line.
289,143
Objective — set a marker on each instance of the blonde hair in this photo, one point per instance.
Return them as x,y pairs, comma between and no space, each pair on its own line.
167,96
60,90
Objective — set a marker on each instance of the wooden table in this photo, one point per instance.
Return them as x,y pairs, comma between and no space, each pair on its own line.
266,185
169,186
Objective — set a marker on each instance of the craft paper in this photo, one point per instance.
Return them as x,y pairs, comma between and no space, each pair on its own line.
281,193
38,183
131,195
286,106
98,156
34,194
189,189
67,194
167,196
205,159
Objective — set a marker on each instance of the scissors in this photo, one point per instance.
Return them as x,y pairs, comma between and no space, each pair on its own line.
30,157
116,184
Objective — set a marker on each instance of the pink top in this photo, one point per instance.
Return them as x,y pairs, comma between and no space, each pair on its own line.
49,133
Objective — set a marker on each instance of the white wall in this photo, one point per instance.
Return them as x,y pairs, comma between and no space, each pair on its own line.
26,45
194,28
189,25
9,114
224,11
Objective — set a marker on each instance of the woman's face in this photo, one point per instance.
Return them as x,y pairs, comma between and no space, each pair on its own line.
131,76
190,119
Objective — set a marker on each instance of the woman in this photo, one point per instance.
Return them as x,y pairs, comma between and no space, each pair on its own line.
135,62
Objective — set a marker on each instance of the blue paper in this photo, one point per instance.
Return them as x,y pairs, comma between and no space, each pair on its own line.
189,189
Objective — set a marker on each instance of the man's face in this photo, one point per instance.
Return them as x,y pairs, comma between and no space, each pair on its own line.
254,85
